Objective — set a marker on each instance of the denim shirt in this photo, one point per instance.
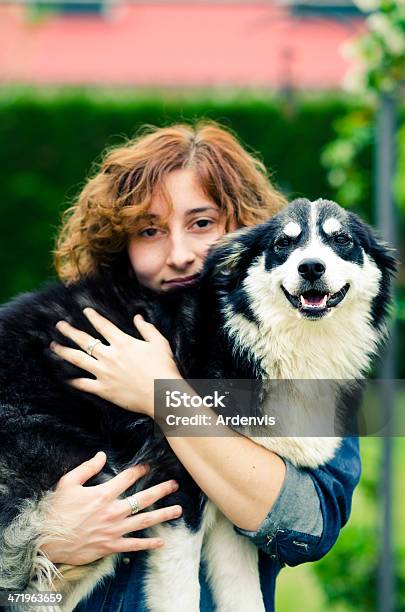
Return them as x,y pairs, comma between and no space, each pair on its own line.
303,524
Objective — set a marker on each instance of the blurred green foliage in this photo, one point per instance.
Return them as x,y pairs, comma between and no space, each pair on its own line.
347,159
348,575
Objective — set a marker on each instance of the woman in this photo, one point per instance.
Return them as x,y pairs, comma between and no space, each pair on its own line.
164,199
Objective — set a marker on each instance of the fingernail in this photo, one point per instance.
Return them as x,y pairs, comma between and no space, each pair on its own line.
60,324
177,510
175,485
160,543
52,346
87,310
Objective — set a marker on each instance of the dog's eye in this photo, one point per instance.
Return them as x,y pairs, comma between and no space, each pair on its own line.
342,239
282,243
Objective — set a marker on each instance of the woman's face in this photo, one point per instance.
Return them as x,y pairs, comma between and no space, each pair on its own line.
172,255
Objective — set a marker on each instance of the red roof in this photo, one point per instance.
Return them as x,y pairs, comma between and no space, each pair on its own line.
175,45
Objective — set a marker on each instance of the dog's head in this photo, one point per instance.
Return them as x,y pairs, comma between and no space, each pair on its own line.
308,261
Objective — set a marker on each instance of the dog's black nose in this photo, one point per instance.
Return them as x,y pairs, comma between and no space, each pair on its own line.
311,269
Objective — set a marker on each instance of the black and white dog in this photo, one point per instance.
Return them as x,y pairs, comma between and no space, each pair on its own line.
303,296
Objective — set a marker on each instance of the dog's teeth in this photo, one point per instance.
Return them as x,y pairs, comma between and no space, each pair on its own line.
314,304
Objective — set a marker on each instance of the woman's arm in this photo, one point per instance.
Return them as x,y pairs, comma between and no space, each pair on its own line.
242,478
311,509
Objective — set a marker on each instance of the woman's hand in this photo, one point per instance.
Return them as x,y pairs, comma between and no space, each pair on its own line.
96,520
127,368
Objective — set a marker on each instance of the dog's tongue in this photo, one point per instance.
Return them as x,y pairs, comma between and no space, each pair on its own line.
314,300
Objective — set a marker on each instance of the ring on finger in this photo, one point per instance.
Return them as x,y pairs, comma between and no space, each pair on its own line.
133,502
91,346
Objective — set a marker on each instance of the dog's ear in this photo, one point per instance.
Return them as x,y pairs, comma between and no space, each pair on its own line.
383,254
229,258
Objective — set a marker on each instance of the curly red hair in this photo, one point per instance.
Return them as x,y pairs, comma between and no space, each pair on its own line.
113,203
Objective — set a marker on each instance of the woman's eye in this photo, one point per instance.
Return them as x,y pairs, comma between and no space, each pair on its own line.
148,232
203,223
342,239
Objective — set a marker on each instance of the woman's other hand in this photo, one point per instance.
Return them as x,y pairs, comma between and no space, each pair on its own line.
126,368
97,520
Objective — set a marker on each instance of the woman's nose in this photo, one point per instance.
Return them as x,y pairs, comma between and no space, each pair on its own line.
181,254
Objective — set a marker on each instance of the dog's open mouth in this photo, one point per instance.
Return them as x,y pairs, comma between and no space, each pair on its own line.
316,303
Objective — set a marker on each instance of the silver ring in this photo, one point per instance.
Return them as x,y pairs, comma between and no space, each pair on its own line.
91,346
133,502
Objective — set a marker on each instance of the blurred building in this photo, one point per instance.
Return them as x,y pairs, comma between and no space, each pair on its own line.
267,44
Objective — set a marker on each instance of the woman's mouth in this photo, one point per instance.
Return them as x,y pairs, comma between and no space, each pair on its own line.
180,281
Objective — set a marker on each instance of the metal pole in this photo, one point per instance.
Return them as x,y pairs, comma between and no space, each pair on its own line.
386,222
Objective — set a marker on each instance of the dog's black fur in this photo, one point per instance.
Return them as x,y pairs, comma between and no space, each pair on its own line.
47,427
